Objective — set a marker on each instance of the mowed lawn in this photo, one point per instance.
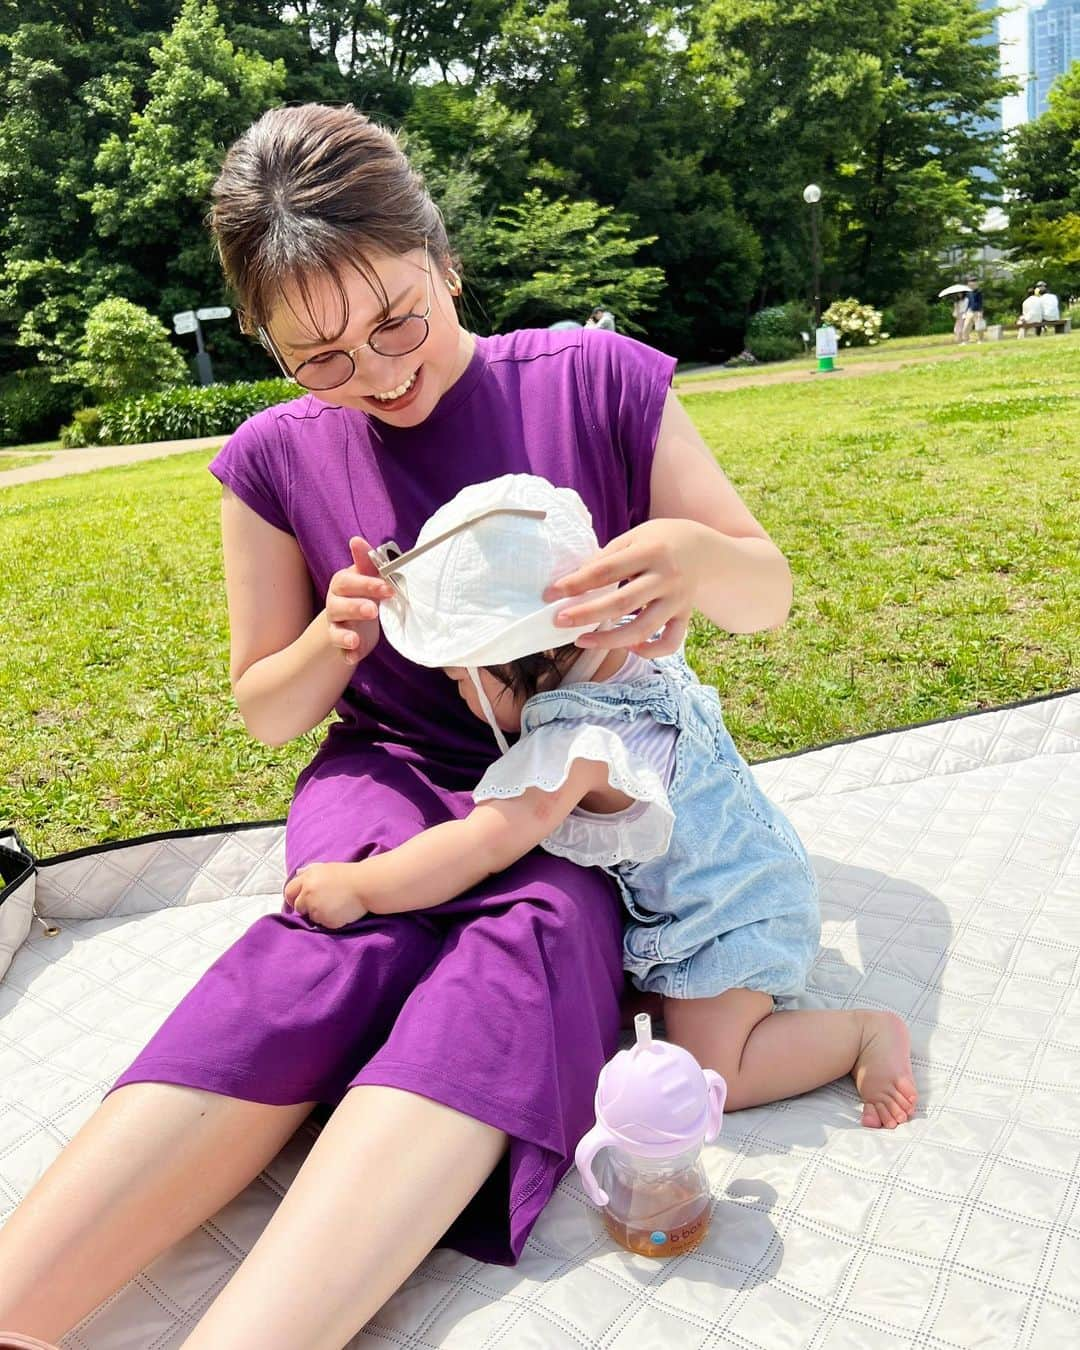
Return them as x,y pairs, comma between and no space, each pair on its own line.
931,517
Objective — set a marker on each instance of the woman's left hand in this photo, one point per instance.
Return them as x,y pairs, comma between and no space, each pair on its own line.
659,565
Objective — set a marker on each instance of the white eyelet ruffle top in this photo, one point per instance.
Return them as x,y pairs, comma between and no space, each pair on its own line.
640,759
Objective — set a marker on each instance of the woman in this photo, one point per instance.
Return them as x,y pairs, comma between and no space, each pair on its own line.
459,1046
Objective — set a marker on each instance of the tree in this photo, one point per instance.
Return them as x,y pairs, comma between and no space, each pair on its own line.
558,258
881,102
916,186
125,351
154,177
1042,174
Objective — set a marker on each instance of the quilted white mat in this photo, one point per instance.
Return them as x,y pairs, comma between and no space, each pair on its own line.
949,859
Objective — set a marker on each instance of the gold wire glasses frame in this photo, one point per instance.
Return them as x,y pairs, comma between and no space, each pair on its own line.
322,369
389,559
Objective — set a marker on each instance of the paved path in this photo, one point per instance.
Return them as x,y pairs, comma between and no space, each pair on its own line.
852,371
60,463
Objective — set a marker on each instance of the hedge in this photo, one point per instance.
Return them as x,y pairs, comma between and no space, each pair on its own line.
179,414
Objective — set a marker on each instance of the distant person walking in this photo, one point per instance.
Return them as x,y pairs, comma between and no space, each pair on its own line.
1031,314
959,309
601,318
974,317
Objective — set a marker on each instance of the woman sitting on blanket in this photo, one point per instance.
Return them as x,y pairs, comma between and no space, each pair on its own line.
474,1029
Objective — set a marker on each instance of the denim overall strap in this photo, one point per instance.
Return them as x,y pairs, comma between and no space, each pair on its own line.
656,698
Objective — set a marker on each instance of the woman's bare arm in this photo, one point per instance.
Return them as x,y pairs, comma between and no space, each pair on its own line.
287,670
746,583
700,548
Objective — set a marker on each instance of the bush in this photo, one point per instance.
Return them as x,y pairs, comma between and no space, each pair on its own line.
912,314
32,407
772,335
857,325
177,414
126,351
773,347
83,429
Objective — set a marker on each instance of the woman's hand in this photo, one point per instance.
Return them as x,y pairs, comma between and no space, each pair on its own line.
352,604
329,894
660,566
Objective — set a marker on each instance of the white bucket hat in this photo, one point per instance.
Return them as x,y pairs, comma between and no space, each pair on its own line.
470,593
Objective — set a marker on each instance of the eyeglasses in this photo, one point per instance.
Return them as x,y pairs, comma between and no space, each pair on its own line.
393,337
389,559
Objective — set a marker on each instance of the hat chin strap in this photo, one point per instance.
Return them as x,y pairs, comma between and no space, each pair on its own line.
586,666
489,711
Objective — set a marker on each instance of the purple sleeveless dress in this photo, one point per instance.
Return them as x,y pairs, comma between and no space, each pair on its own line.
502,1003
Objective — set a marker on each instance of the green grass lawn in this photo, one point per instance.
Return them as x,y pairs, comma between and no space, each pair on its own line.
20,461
931,517
34,447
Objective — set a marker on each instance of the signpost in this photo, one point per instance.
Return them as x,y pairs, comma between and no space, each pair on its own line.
191,321
826,348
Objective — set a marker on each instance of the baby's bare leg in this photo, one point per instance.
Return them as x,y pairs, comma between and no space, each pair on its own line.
765,1056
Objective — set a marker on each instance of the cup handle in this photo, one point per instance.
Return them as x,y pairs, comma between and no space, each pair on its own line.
717,1097
586,1151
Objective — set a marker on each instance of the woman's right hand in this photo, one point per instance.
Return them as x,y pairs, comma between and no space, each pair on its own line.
352,604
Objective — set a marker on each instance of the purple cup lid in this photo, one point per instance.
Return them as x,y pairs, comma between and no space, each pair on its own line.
652,1101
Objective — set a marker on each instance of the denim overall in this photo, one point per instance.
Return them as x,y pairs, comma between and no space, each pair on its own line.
733,903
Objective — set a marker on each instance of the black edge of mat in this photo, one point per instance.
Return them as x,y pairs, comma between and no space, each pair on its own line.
237,826
233,827
12,857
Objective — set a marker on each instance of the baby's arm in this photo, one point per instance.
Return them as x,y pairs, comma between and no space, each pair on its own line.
443,861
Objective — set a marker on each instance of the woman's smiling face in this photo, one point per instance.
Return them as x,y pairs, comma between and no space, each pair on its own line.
419,378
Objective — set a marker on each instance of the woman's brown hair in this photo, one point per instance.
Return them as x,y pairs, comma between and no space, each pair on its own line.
309,193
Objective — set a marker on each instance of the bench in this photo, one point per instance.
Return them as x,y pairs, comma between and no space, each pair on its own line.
1058,326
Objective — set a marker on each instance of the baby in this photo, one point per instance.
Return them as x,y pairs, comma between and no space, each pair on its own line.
624,763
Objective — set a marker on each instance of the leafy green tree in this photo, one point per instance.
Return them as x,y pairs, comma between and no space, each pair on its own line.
125,350
154,179
558,259
1042,173
916,185
878,101
44,304
471,129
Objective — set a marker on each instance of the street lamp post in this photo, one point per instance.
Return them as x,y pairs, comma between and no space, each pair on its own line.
812,197
824,338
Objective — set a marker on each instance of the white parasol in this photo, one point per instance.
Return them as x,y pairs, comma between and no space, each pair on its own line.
959,289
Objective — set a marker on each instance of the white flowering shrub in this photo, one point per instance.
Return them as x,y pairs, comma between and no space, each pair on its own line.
857,325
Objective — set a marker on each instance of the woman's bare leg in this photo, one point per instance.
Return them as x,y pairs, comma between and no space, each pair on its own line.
385,1180
149,1166
765,1056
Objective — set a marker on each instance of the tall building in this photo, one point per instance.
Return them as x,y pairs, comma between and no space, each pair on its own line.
992,39
1053,45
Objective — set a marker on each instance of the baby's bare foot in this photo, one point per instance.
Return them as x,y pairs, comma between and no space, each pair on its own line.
882,1071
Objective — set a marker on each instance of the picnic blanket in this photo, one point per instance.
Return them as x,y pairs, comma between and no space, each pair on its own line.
949,862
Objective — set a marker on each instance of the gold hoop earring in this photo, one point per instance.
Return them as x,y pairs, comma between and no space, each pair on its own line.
453,282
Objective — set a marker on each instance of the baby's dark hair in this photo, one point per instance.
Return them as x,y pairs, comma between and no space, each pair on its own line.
542,670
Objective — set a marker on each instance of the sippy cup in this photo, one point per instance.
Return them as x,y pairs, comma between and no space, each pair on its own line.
655,1107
